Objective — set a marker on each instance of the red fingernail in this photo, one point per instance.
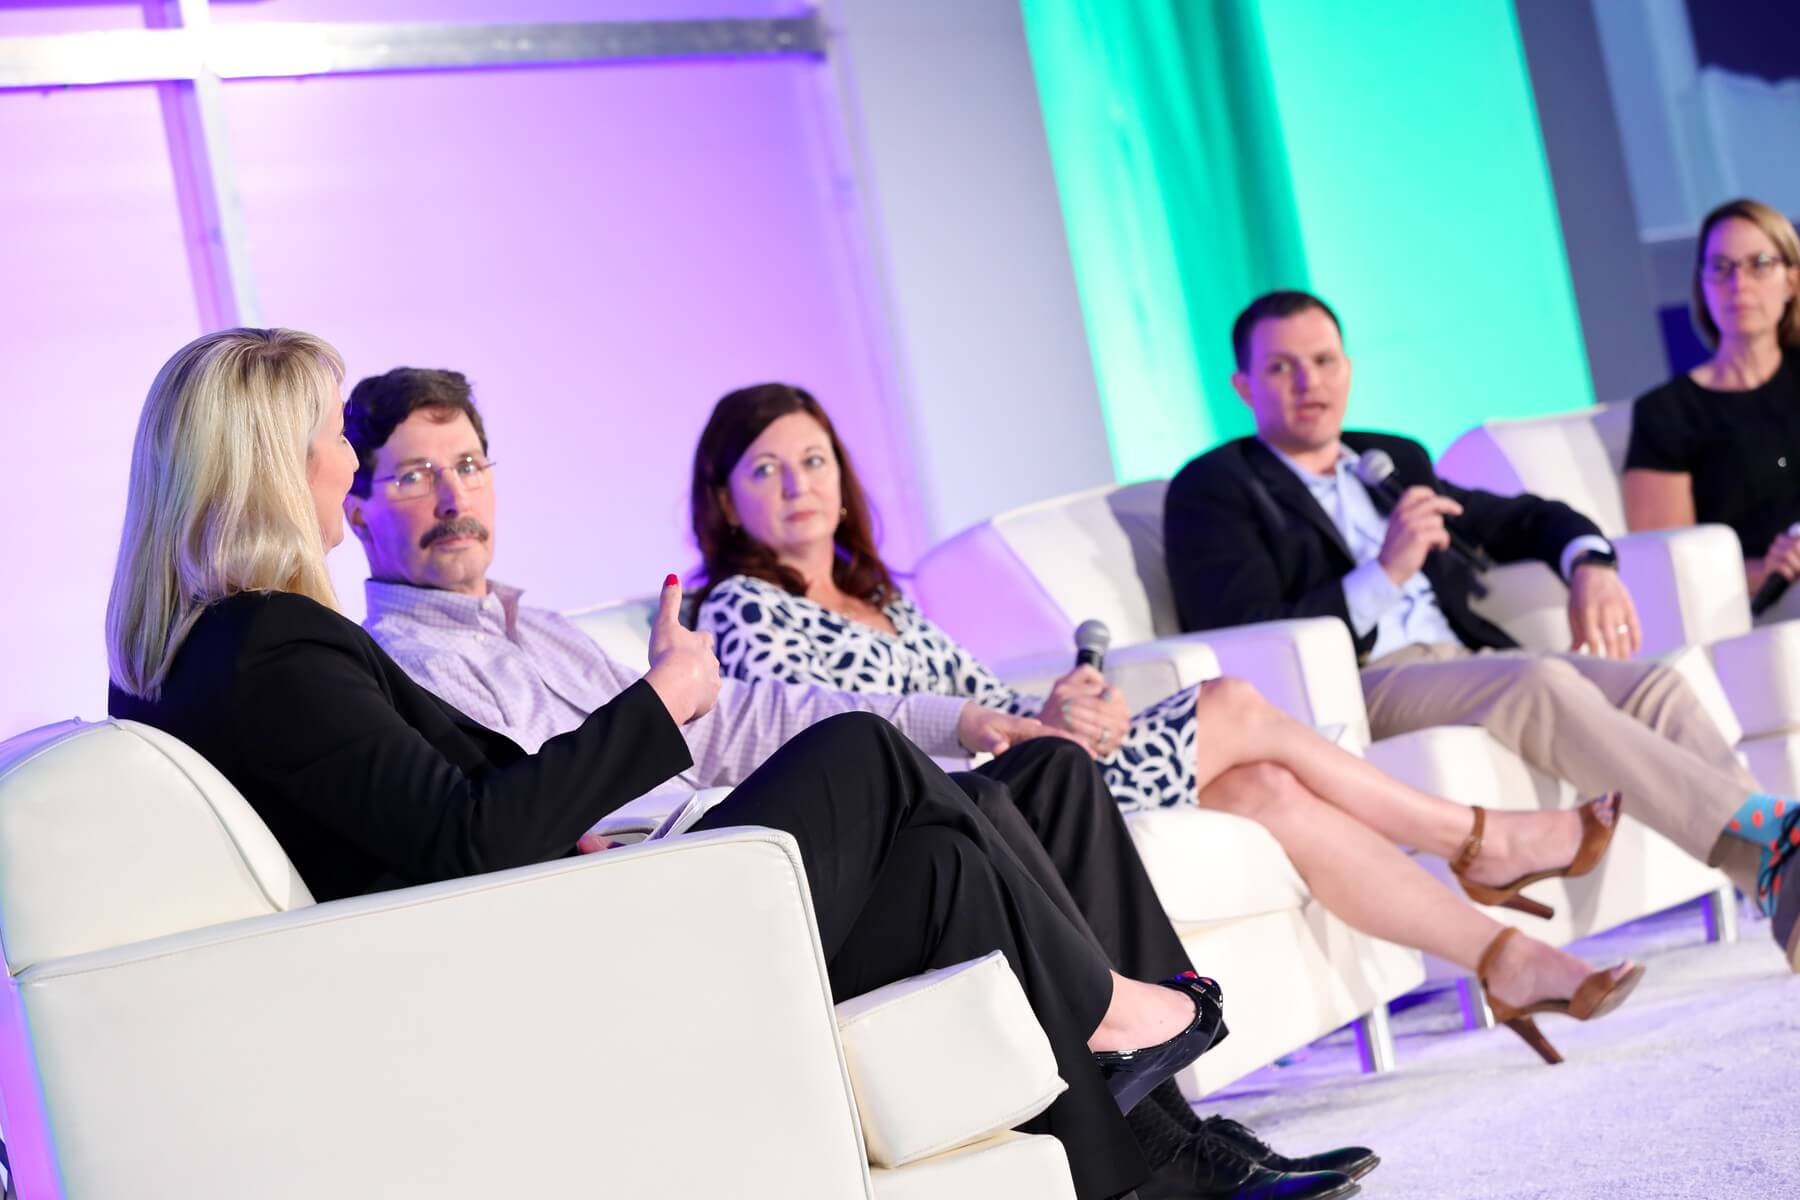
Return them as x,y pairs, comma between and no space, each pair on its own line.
671,581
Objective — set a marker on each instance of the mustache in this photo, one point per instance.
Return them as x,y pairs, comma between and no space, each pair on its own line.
457,527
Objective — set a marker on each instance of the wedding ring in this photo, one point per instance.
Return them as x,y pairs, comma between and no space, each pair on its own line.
1622,629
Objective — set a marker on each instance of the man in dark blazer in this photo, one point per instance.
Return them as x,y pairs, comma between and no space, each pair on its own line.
1280,525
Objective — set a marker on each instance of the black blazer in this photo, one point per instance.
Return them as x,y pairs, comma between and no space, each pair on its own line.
1247,542
369,781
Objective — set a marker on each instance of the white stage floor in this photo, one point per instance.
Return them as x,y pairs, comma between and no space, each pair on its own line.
1686,1091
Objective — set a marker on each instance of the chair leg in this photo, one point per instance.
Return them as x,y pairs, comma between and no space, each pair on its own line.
1720,911
1475,1011
1375,1041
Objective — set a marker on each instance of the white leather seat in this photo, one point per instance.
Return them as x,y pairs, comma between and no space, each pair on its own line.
1688,584
181,1020
1099,553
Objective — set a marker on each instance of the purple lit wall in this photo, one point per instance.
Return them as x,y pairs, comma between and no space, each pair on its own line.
94,294
604,250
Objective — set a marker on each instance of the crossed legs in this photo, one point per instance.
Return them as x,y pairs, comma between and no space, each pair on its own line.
1338,818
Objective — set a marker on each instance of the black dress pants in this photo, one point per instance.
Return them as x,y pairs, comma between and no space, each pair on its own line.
906,875
1050,802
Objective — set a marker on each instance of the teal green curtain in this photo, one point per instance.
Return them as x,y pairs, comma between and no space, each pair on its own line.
1177,205
1384,154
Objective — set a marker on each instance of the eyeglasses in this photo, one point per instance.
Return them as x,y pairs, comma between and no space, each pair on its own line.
1720,269
421,479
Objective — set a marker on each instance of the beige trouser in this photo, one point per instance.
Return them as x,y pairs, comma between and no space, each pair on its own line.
1602,724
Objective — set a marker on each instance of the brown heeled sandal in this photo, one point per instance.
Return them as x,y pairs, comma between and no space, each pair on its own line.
1595,996
1596,836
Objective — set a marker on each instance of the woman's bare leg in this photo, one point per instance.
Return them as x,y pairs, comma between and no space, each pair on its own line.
1238,726
1373,886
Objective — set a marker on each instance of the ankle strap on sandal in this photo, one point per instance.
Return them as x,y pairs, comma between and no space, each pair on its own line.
1471,847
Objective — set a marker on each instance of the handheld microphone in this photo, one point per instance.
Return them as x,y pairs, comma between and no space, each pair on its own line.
1091,640
1773,588
1376,470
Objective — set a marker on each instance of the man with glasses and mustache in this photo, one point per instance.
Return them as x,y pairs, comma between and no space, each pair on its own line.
422,504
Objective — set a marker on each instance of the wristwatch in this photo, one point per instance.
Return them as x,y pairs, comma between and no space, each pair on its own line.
1595,558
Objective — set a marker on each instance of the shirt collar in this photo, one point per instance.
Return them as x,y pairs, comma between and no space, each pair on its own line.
1346,457
444,609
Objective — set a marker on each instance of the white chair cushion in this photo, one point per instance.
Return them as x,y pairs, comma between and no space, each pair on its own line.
1008,1164
1213,866
622,630
114,832
970,1024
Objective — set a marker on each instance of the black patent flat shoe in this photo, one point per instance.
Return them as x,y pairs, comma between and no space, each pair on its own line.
1134,1074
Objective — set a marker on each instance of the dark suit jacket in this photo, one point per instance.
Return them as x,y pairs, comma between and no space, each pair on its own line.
369,781
1247,542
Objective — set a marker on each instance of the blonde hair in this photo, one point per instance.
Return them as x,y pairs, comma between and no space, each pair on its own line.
1780,230
218,501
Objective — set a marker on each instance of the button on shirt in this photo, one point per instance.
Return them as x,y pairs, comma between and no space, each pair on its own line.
531,674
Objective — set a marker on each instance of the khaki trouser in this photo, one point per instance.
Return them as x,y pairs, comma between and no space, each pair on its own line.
1602,724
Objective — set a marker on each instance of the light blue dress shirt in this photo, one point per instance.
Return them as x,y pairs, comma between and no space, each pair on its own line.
1401,614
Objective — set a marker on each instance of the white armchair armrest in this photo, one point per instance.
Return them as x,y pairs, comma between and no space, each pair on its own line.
970,1024
1758,671
1688,585
573,1004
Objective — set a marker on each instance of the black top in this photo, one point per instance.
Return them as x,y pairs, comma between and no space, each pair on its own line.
369,781
1246,541
1741,448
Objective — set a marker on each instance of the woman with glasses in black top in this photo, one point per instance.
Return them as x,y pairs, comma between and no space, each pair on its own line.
1721,443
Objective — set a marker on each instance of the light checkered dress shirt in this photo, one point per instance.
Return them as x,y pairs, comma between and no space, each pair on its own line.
531,674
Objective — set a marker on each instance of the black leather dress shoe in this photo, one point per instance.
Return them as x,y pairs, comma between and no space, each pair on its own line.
1354,1161
1208,1168
1134,1074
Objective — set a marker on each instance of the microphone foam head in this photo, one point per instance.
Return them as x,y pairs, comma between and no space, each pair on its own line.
1093,635
1374,467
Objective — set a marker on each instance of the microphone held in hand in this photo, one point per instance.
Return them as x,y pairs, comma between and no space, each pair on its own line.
1091,640
1376,470
1775,586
